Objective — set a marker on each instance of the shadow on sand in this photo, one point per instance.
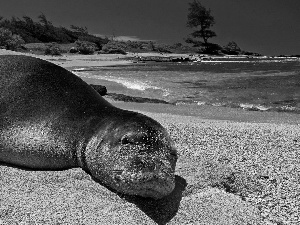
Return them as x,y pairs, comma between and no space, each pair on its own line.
163,210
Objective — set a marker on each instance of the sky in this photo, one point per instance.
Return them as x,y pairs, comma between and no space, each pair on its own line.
269,27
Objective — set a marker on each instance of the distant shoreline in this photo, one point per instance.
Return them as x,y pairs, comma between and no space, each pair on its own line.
77,61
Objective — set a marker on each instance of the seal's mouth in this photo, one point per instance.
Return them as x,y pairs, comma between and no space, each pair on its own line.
147,184
155,188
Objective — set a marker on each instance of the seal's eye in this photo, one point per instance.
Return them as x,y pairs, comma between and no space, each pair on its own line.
129,138
125,140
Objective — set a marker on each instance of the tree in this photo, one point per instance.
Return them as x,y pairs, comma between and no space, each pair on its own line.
43,20
201,17
82,30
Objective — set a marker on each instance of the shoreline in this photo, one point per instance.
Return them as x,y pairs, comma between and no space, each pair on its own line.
215,113
71,61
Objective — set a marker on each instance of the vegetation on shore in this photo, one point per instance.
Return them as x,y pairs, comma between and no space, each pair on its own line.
44,31
16,33
42,37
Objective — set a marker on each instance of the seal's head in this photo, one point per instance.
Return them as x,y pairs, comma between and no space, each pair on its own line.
133,155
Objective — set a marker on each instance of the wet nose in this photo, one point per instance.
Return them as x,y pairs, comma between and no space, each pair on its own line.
135,138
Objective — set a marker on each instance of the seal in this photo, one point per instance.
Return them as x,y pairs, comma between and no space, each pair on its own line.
51,119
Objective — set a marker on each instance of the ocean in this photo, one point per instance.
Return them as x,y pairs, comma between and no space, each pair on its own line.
261,84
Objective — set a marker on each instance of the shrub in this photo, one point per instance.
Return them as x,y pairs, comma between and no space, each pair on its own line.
115,47
10,41
134,45
177,45
210,48
163,48
52,49
86,47
231,48
73,50
96,40
116,51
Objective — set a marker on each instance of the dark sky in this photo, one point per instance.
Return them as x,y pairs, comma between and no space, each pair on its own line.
269,27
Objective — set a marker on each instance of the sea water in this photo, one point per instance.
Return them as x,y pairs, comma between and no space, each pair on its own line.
264,84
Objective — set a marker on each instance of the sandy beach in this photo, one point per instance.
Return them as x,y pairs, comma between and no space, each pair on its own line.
70,61
234,167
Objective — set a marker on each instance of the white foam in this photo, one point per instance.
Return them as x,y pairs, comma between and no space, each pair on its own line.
201,103
248,61
289,108
262,108
252,106
224,61
246,106
217,104
130,84
79,69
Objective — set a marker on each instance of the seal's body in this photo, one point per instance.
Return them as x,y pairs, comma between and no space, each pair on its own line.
51,119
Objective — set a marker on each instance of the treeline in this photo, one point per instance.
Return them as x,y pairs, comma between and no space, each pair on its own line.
44,31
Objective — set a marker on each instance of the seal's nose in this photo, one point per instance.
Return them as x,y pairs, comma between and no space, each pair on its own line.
135,138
